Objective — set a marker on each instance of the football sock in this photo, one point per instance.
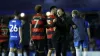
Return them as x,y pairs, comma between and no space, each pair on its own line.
78,53
11,54
25,54
19,54
85,53
3,54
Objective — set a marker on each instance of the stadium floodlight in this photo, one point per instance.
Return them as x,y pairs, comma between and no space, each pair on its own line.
22,14
47,13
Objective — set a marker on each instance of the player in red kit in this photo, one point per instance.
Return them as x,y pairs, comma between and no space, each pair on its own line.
50,30
3,38
37,31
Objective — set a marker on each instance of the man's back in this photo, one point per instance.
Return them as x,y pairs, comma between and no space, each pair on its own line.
14,28
79,32
37,23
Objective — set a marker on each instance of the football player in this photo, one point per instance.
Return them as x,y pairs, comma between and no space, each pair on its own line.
50,31
37,31
80,34
15,29
3,38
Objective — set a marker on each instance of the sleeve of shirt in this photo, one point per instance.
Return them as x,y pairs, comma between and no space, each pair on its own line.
8,25
60,23
20,23
86,24
23,22
69,20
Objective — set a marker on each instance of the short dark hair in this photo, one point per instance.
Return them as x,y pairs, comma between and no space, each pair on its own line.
52,7
62,11
17,13
38,8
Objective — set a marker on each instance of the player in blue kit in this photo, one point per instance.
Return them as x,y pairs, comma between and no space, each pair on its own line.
15,29
87,27
81,33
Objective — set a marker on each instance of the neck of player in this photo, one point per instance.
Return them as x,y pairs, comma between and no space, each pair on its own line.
16,17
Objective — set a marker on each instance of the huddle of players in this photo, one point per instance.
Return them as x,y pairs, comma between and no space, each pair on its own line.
57,27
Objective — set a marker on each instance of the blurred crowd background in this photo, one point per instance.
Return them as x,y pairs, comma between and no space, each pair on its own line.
90,8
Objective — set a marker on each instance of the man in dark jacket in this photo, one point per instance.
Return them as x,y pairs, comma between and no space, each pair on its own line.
62,32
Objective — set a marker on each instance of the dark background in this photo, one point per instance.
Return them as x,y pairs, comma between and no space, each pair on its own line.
8,6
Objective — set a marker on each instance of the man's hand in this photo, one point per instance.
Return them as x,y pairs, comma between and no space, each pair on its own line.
54,20
31,42
48,21
74,26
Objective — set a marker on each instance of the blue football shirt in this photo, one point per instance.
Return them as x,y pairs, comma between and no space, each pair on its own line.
14,26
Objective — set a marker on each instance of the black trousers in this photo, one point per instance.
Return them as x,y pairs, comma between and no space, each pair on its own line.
61,45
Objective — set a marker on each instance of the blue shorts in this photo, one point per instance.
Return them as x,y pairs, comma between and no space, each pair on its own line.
84,43
15,44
